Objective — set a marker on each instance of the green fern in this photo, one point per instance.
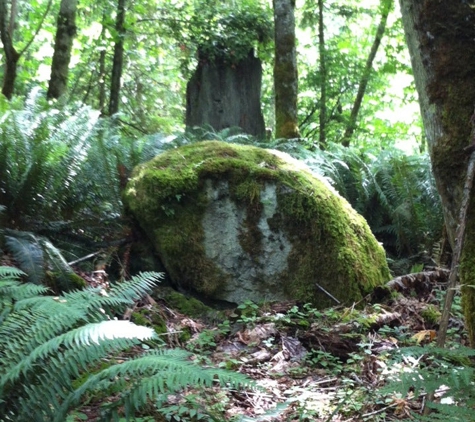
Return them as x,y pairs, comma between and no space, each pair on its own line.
26,250
37,257
166,371
48,343
41,150
451,369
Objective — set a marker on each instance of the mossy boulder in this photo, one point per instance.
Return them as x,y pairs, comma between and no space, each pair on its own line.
235,222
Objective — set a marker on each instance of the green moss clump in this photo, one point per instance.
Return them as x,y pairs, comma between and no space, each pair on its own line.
77,281
431,314
150,318
187,305
332,246
64,281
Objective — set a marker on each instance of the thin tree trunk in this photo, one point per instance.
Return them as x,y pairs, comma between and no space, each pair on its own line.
11,55
102,80
102,69
118,59
285,70
65,33
7,27
459,239
323,77
13,15
350,129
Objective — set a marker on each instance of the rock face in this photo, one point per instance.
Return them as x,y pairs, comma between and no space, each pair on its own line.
236,222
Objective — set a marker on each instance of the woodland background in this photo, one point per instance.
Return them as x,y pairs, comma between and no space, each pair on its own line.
91,89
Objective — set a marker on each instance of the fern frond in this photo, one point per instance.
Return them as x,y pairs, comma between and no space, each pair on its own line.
36,254
83,346
26,250
446,412
92,300
48,342
167,371
446,368
10,272
9,289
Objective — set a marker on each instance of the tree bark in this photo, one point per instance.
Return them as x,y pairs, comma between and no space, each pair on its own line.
65,33
13,15
322,137
285,70
102,67
386,6
443,60
118,59
11,55
224,96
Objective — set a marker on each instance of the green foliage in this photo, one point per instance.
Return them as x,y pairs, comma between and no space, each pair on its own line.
386,116
203,407
218,33
49,342
61,169
41,152
394,191
450,370
41,260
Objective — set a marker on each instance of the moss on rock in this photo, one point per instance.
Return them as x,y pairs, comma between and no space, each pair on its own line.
187,305
150,318
290,230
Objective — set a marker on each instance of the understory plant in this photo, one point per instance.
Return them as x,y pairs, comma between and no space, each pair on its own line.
58,351
61,168
448,372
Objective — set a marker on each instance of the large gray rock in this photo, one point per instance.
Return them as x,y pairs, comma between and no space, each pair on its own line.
237,222
223,226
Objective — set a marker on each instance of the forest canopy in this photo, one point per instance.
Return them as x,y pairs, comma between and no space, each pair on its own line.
162,44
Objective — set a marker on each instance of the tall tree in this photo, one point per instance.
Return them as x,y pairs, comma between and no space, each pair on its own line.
323,76
11,55
285,70
386,6
443,60
65,33
118,60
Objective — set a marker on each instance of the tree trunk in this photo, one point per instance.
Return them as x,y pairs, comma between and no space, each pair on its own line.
224,96
385,8
102,68
285,70
443,59
322,137
11,55
65,33
118,60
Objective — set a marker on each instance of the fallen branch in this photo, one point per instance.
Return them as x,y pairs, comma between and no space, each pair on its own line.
414,280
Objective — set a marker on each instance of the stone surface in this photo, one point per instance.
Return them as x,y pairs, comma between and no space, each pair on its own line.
235,222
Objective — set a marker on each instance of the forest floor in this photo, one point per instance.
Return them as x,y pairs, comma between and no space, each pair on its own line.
337,364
